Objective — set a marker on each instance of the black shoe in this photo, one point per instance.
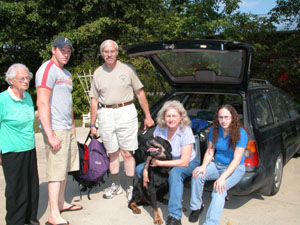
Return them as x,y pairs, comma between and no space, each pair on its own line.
173,221
194,216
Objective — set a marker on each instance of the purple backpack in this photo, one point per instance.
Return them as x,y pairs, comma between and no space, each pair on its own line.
98,164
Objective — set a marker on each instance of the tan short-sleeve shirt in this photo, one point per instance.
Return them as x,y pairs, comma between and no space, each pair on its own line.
115,85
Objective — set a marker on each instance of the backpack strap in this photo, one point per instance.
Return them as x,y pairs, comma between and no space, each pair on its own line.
89,136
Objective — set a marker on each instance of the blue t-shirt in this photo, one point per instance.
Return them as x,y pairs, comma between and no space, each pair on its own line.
223,153
180,139
16,123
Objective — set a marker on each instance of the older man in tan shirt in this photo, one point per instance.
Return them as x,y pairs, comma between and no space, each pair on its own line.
112,92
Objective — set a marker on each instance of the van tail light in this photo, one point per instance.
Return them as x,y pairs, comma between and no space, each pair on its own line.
251,154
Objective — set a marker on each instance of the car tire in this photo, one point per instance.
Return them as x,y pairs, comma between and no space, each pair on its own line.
277,175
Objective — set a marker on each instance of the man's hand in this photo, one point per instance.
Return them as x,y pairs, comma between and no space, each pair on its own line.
148,122
94,132
54,142
141,96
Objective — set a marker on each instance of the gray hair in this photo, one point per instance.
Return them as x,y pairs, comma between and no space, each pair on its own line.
12,71
106,42
160,119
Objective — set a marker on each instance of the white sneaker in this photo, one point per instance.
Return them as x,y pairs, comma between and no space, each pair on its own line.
112,191
129,193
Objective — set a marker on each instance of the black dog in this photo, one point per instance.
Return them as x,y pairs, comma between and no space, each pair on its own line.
158,186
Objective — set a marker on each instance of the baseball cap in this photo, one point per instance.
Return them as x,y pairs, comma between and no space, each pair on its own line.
62,42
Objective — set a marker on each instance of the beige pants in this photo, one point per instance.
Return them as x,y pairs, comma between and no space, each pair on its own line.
64,160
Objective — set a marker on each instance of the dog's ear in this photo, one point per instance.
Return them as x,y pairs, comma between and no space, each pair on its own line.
168,155
165,143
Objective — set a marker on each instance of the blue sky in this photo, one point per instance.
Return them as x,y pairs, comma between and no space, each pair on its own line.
257,6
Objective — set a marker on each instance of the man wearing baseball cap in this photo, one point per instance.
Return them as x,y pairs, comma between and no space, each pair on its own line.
54,101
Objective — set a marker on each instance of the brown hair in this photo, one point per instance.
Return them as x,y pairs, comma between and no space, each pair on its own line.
234,128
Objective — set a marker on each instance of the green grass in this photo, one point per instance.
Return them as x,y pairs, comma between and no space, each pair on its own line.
78,123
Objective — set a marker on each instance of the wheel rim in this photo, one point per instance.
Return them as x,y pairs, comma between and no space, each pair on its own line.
278,171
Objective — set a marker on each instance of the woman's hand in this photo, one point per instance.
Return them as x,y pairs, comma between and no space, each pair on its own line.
145,178
199,170
220,185
155,162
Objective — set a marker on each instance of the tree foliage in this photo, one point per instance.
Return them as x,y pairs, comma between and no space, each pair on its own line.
286,11
28,27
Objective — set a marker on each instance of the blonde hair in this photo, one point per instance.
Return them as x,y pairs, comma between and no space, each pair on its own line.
160,119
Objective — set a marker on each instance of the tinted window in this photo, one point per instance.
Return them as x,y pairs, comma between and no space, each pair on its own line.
263,113
198,106
223,63
291,105
195,101
235,101
204,106
279,107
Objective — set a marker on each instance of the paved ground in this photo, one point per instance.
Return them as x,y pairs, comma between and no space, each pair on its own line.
282,209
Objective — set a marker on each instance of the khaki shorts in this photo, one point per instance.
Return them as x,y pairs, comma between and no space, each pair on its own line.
118,128
64,160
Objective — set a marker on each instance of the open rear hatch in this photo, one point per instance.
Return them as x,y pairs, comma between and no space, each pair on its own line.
206,65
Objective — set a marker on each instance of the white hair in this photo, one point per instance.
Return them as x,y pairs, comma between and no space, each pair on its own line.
12,71
106,42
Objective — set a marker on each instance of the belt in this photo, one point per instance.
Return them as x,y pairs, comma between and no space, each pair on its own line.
115,106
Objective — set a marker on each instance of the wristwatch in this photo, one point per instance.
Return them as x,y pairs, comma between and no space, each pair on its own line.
92,125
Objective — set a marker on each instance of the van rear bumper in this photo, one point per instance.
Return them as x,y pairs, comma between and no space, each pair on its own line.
247,185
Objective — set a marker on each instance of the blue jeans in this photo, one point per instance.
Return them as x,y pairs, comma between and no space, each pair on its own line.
213,172
176,178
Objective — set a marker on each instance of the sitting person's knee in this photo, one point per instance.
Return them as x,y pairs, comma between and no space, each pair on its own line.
175,174
139,170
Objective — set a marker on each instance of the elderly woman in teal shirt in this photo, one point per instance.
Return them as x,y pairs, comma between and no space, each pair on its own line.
17,146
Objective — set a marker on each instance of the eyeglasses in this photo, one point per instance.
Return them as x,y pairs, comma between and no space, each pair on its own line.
224,118
23,79
109,51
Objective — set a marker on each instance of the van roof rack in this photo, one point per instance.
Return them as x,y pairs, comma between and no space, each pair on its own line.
259,81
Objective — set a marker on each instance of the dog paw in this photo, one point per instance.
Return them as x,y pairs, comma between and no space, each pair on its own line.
165,201
136,211
158,221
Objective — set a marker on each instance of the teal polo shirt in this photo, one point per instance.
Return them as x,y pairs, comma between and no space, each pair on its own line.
16,123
